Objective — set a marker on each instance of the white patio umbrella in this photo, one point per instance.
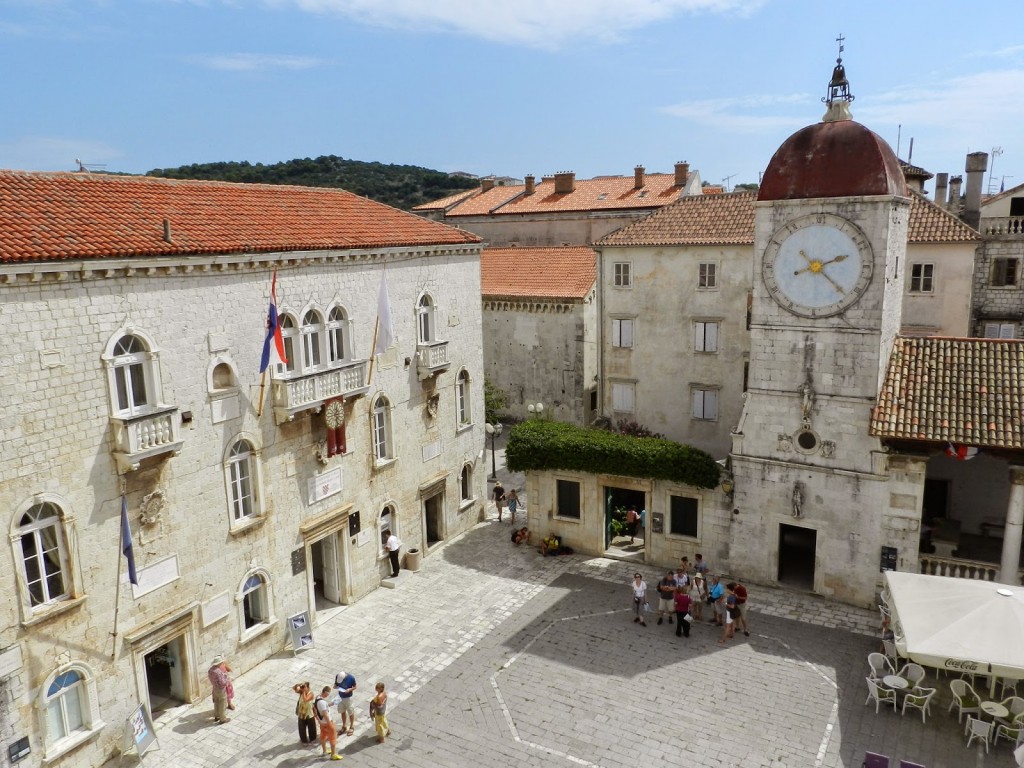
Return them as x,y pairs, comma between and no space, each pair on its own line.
960,625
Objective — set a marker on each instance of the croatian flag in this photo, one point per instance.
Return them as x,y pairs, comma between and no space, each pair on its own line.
385,326
961,452
126,542
273,342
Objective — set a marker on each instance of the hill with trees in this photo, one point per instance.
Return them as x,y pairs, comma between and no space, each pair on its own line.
401,186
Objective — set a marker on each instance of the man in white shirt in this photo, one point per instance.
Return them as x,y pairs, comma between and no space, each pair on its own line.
392,545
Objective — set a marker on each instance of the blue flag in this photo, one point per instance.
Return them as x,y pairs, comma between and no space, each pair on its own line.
126,542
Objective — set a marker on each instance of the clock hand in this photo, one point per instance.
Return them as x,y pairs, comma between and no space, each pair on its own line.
834,283
841,257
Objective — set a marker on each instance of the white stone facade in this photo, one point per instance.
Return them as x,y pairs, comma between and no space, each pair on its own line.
203,319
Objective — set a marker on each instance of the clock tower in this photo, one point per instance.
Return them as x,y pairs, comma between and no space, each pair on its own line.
829,246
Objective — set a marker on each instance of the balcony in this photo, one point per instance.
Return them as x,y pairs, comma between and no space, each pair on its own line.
302,393
1006,225
140,437
431,359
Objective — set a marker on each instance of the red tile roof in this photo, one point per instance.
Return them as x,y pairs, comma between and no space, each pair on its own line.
960,391
604,193
447,202
53,216
566,272
729,220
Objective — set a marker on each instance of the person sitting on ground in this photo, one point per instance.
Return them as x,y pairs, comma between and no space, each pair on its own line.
550,545
521,535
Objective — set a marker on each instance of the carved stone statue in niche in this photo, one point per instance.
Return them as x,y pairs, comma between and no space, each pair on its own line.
807,394
433,403
798,499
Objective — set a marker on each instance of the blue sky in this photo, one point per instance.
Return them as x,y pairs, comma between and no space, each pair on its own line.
508,87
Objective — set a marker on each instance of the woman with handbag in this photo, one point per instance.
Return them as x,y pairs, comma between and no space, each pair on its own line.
639,599
304,712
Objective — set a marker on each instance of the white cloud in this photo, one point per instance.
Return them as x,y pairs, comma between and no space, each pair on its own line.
51,153
537,23
251,62
743,114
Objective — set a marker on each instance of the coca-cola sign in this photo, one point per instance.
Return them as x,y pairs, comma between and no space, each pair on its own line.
965,666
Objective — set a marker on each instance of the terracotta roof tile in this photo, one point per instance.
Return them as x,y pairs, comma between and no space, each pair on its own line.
598,194
53,216
447,202
914,171
566,272
960,391
728,219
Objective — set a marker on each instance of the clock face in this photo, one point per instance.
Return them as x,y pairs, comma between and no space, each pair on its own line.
817,265
334,415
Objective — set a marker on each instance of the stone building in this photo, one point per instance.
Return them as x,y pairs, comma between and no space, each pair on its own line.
539,329
135,312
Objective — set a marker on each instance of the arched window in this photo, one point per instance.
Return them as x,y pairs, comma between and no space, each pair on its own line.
242,473
43,550
467,483
425,319
69,709
256,603
462,399
338,343
312,335
289,334
388,522
383,449
132,365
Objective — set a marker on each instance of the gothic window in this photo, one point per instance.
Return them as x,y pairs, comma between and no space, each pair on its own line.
425,319
338,343
312,332
383,449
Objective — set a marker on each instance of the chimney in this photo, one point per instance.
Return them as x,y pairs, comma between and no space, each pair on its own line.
953,206
529,184
565,182
682,171
977,164
941,185
638,177
486,185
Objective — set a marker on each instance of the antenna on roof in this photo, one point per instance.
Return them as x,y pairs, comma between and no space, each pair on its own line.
87,167
725,181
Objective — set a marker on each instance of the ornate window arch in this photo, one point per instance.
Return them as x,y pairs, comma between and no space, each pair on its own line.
243,476
381,428
312,333
255,598
46,565
132,361
68,709
426,326
339,335
463,400
290,337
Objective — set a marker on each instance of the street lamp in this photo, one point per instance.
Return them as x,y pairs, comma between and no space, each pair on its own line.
536,410
493,430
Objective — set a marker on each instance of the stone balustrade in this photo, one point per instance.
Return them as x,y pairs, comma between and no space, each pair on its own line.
962,569
1008,225
140,437
431,359
301,393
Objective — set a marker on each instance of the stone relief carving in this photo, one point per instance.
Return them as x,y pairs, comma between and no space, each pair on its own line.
433,403
828,449
785,443
151,507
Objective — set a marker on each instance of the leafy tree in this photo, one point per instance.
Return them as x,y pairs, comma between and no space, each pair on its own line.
495,401
748,187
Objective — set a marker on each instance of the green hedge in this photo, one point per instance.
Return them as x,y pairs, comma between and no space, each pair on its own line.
545,445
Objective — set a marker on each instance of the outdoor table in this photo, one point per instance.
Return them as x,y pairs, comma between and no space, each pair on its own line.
993,709
896,682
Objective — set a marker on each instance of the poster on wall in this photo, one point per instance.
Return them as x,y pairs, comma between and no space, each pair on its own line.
301,631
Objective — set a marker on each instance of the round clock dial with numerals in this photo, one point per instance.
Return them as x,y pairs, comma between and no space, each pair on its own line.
817,265
334,415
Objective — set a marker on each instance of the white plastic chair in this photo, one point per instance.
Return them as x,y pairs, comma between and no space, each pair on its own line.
978,729
964,698
919,698
880,666
912,673
890,650
1011,732
1015,706
1006,684
880,695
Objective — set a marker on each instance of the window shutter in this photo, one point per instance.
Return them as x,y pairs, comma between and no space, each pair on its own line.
1006,331
711,337
616,333
710,404
627,333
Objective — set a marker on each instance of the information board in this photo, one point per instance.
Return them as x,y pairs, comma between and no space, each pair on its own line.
139,731
888,562
301,632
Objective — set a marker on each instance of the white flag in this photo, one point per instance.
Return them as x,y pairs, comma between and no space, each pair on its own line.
385,329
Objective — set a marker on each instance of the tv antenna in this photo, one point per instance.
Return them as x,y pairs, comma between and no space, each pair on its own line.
725,181
87,167
996,152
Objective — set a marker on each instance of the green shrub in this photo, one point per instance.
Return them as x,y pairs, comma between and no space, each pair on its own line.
546,445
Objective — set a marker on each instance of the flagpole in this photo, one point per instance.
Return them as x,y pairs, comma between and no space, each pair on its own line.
117,590
263,385
373,350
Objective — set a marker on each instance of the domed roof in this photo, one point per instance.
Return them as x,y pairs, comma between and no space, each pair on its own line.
832,159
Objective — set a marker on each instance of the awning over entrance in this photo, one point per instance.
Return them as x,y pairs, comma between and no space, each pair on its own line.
961,625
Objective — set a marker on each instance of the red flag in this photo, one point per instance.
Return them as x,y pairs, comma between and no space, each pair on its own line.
961,452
